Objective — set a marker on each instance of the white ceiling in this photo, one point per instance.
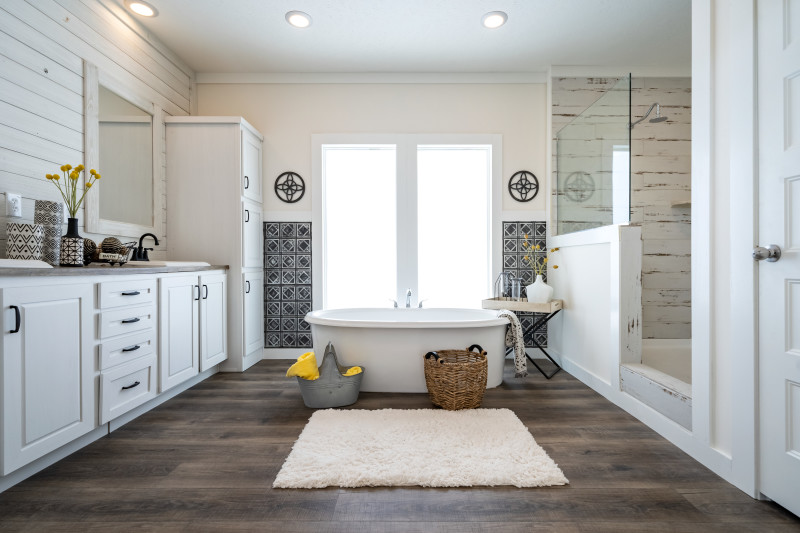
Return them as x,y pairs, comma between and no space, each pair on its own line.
421,36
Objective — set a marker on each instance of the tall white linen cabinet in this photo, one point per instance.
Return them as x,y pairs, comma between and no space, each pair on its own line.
214,210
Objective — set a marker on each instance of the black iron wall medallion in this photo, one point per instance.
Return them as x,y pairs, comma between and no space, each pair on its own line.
523,186
579,186
290,187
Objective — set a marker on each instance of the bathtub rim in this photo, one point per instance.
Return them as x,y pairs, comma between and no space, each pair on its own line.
490,318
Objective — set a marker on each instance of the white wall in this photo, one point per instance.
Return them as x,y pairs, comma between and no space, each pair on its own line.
43,44
724,157
288,114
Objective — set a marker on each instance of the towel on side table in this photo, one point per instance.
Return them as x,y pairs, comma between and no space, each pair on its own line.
514,337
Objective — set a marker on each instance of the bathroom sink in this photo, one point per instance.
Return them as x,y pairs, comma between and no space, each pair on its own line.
23,263
156,263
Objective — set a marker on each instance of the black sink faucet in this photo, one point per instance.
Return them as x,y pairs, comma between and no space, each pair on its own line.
140,253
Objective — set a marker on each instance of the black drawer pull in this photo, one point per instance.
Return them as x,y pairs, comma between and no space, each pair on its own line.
130,320
198,292
135,384
17,318
247,215
131,293
246,182
248,287
205,288
131,348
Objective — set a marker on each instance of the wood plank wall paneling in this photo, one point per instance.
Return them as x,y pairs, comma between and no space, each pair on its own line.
43,44
660,176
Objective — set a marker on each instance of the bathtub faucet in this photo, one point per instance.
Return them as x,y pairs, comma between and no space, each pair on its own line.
408,298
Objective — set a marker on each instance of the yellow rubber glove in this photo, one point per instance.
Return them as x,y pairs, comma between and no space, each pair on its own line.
305,367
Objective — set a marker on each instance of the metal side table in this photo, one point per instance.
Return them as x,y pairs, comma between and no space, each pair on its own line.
549,309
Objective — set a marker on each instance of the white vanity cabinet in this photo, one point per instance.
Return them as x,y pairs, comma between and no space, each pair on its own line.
82,348
179,343
214,200
127,334
193,326
213,320
48,395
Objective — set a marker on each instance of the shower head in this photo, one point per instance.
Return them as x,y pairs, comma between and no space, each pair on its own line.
657,118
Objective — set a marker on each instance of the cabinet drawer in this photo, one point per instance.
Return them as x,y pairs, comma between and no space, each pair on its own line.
128,292
126,320
126,387
123,349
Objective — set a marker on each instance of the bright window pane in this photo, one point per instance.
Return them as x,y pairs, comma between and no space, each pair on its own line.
453,195
359,221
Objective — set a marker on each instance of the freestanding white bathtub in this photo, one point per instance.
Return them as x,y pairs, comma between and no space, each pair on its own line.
391,343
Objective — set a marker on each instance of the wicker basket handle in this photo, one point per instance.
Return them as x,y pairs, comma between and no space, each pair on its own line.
434,354
478,346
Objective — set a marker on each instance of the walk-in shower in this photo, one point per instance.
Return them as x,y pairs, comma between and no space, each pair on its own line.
625,159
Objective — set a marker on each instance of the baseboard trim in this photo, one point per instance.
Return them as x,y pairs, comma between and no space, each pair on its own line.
6,482
712,459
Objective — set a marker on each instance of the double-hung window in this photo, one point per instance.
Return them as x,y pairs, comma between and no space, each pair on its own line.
400,213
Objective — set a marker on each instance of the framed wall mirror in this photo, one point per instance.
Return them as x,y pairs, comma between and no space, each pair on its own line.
124,142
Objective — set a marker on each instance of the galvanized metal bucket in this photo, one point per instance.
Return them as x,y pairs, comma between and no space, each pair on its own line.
332,388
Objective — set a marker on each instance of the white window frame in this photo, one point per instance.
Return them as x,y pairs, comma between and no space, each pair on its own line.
406,233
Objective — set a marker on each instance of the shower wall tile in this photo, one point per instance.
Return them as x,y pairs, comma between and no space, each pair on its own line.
514,253
287,274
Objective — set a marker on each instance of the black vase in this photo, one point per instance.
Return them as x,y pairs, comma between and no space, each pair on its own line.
72,245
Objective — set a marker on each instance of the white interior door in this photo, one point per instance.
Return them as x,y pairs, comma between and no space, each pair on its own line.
779,223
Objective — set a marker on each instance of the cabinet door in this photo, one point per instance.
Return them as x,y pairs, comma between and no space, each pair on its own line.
178,340
48,392
251,167
213,320
253,312
253,236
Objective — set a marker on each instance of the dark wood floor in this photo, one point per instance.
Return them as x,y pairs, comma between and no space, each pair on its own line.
205,461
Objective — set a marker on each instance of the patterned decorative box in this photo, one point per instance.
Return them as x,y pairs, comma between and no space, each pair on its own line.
51,216
48,213
24,241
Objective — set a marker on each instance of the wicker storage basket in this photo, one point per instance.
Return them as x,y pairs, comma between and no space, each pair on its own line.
456,379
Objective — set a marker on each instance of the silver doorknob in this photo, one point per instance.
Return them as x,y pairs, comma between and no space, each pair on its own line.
771,253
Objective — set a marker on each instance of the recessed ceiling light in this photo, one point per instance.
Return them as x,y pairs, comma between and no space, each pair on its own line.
298,19
141,8
494,19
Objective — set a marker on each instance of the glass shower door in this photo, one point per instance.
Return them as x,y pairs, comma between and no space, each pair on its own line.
593,164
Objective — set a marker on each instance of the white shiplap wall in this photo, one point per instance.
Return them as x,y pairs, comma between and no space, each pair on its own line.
660,176
43,44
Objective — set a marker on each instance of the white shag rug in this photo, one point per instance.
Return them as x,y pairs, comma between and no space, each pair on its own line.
425,447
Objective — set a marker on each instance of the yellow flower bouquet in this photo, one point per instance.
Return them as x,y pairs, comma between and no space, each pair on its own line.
537,262
69,189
